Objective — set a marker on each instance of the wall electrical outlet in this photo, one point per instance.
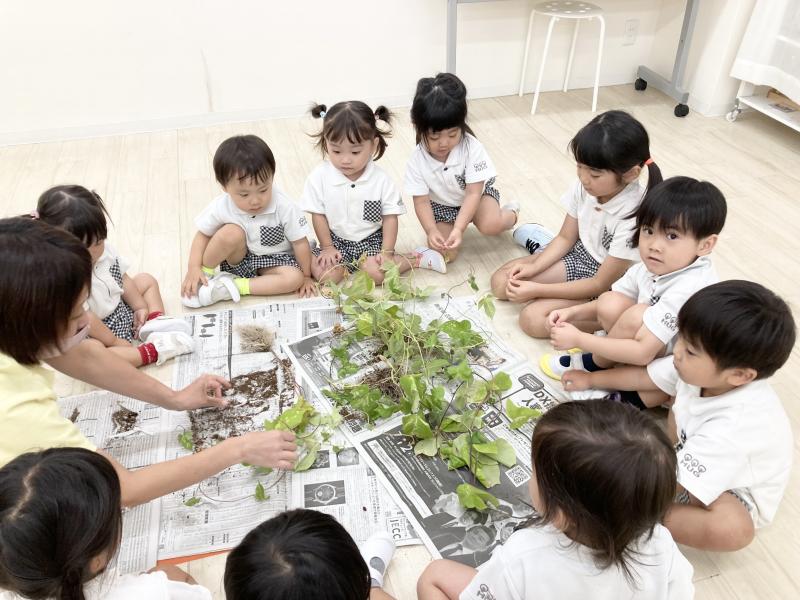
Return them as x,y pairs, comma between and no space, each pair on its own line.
631,30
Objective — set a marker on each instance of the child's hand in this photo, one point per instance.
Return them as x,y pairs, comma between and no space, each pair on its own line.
139,319
522,271
329,257
576,381
275,449
453,240
308,289
564,336
195,277
436,240
520,290
560,315
204,391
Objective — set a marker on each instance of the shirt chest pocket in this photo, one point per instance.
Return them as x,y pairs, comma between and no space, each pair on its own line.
272,236
372,211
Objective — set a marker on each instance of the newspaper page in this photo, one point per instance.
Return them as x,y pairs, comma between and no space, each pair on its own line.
129,431
424,486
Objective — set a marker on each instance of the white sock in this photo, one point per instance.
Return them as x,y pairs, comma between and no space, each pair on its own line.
430,259
377,552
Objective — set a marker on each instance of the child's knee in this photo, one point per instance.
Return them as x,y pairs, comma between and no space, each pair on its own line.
608,309
498,282
145,281
431,578
533,321
490,228
230,235
729,536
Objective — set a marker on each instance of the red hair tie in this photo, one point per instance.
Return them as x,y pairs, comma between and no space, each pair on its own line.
649,161
34,214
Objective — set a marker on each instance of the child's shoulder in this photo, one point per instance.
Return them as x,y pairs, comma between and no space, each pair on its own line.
148,585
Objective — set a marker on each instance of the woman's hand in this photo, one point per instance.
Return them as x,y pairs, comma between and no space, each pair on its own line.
275,449
203,392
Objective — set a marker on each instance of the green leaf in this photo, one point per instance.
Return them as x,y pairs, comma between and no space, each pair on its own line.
193,501
471,497
364,324
500,450
260,494
428,447
410,385
486,304
501,382
520,415
416,425
262,470
461,371
488,473
312,449
472,283
185,440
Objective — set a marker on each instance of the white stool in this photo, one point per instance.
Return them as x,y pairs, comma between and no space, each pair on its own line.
563,9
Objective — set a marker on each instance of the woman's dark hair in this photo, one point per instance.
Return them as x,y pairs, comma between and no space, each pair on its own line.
43,271
739,324
59,509
354,121
439,103
609,471
75,209
299,554
692,207
245,157
615,141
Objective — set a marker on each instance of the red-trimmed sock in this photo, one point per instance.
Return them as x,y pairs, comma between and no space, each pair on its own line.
154,315
148,353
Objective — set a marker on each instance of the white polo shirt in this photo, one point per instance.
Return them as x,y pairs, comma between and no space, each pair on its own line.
445,182
106,293
739,441
541,563
271,231
605,229
354,209
665,294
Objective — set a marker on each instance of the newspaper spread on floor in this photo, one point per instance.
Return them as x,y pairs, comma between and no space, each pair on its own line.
425,487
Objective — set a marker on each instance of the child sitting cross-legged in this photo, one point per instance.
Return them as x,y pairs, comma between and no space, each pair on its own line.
603,477
732,436
254,232
677,226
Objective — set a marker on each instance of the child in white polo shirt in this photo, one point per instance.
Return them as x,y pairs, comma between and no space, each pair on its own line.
253,232
449,174
354,204
596,531
677,226
732,435
593,248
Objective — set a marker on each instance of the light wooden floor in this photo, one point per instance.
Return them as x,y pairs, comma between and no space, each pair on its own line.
154,185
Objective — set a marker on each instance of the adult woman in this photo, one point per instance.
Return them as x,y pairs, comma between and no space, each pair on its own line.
44,281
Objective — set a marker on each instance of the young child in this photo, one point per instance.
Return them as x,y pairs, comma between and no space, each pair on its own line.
253,232
122,309
593,248
353,203
677,226
603,477
732,436
306,554
449,174
61,524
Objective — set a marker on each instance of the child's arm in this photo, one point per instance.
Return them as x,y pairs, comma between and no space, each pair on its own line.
100,331
610,270
472,198
302,252
194,274
641,350
580,312
133,298
422,206
390,227
633,379
329,256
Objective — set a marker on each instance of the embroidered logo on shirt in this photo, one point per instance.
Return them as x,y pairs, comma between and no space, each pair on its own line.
606,238
694,466
116,272
670,321
654,300
484,593
372,210
272,236
480,166
302,221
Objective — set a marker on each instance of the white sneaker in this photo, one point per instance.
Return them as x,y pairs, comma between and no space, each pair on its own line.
170,344
220,287
164,323
430,259
533,237
550,364
377,552
590,394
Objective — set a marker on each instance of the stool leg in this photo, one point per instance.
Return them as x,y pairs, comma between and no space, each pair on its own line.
599,58
544,60
571,53
525,56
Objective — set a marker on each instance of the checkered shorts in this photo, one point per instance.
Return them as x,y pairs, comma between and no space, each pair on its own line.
447,214
251,263
120,321
353,251
579,263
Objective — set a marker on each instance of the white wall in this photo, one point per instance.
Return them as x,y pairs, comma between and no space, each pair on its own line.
92,67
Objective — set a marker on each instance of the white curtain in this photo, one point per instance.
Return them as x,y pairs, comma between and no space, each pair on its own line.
770,50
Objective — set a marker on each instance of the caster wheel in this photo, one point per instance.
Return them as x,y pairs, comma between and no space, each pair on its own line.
640,85
733,115
681,110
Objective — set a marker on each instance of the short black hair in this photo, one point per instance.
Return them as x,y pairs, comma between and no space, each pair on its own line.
609,470
244,157
694,207
43,271
75,209
59,509
439,103
739,324
297,555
